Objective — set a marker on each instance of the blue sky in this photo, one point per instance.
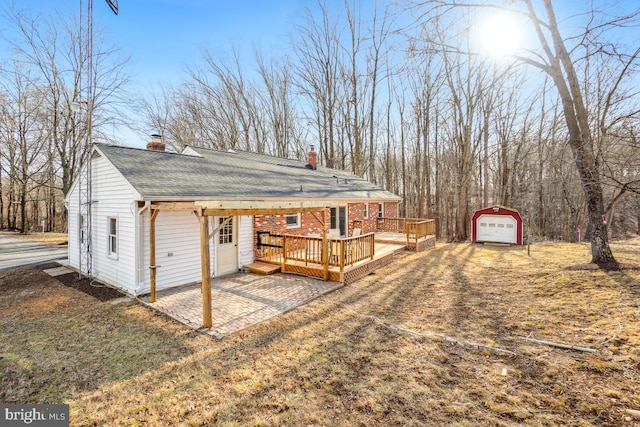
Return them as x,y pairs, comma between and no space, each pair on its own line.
162,36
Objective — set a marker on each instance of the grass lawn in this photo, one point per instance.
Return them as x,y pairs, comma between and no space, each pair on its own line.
377,352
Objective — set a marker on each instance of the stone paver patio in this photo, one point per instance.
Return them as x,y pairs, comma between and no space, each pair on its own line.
239,300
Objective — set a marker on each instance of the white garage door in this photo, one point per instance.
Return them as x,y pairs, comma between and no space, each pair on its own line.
496,228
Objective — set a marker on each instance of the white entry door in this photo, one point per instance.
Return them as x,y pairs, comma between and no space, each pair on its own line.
496,228
227,246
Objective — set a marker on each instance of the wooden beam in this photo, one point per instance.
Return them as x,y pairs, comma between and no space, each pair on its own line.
205,267
325,248
152,255
282,205
318,219
242,207
173,206
238,212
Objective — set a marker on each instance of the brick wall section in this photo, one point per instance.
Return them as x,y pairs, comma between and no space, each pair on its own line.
391,210
277,224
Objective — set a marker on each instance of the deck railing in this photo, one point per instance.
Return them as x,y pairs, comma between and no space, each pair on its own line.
414,228
350,250
308,249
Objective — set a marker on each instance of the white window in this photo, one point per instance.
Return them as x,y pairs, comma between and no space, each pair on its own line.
226,231
366,211
380,210
293,220
113,236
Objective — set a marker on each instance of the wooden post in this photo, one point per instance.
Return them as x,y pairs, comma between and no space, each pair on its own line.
372,245
325,247
341,253
205,266
284,248
406,229
152,255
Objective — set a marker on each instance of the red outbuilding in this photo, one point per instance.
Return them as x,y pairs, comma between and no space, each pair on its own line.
497,224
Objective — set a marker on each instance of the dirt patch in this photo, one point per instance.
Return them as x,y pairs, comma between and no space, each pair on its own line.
46,266
91,287
24,277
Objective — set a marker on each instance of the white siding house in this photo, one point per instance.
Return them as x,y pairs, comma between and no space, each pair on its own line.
139,193
127,267
113,198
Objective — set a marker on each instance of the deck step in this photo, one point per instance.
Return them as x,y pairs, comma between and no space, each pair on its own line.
263,268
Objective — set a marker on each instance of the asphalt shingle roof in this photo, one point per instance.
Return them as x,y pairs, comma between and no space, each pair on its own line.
237,175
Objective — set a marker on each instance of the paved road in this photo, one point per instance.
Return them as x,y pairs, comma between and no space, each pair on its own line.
18,251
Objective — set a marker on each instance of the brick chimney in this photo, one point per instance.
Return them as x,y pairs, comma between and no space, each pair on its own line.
156,143
312,159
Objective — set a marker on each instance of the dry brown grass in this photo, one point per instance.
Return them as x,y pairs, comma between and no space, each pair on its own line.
331,363
48,238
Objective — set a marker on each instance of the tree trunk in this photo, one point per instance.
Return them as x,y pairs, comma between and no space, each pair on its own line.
23,204
563,73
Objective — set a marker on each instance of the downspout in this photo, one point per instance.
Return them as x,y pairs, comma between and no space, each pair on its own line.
139,244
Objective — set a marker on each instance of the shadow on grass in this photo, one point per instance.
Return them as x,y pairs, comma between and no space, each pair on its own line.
324,363
57,341
328,363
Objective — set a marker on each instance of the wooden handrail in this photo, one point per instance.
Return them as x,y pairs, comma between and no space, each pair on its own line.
308,249
414,228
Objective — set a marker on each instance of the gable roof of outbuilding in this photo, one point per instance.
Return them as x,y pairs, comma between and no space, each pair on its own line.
234,175
497,210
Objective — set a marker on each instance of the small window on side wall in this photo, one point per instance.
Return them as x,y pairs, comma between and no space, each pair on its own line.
366,211
293,220
113,237
380,210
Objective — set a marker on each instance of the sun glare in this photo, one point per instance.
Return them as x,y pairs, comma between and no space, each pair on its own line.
500,35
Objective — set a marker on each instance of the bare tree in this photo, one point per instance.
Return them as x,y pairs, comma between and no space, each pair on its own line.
317,77
54,47
24,136
278,104
557,58
560,67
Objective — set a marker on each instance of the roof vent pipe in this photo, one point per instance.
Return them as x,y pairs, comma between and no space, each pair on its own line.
156,143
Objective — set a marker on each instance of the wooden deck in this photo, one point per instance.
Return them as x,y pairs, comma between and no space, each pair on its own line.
423,243
345,259
387,244
384,254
